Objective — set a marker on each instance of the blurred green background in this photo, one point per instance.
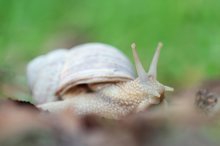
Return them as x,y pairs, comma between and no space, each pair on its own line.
189,30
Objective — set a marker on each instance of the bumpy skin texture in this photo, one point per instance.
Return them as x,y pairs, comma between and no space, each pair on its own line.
114,102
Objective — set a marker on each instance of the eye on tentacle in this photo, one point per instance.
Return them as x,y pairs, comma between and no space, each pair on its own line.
152,73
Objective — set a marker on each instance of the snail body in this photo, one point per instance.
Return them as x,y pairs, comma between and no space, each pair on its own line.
114,94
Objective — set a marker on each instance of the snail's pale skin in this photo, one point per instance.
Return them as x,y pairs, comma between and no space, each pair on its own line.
118,100
112,102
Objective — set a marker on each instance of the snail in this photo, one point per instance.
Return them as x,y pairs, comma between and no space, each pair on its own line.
94,78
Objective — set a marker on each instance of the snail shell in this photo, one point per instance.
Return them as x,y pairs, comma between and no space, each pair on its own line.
84,68
43,75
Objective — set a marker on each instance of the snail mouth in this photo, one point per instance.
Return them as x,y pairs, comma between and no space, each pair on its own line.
160,98
157,100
